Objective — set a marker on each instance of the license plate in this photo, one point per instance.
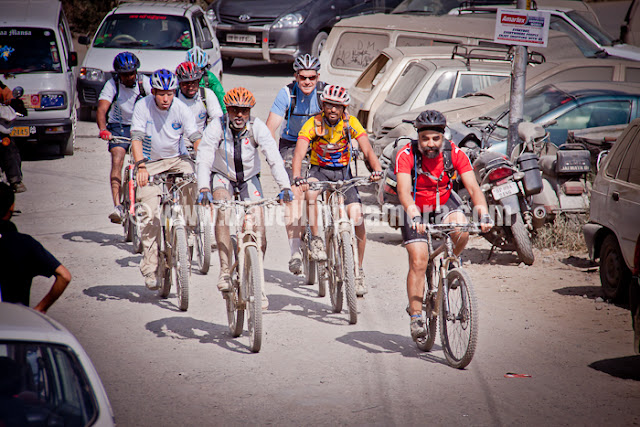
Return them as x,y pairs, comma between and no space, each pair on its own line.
502,191
241,38
20,131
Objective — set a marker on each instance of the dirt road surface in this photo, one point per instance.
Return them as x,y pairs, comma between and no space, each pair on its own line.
165,367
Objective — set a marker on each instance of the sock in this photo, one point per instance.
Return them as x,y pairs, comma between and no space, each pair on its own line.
294,244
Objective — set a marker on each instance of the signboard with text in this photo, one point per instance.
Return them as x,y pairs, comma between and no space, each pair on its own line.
522,27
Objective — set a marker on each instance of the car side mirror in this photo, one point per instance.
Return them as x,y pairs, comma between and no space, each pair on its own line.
85,40
207,45
73,59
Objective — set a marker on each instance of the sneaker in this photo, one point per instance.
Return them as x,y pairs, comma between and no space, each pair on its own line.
295,263
151,282
117,214
417,328
265,301
316,249
224,282
361,289
18,187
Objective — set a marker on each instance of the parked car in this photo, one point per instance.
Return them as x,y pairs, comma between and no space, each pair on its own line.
388,125
36,53
158,33
281,30
613,229
47,374
438,73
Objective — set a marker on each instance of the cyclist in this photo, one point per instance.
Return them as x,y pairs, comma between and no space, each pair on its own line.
10,160
157,127
115,107
296,103
201,59
330,135
230,151
426,195
201,101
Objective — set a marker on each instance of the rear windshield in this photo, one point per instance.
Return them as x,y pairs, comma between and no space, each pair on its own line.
426,7
145,31
406,84
28,50
354,51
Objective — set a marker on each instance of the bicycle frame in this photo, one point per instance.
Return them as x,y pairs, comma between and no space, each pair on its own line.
171,210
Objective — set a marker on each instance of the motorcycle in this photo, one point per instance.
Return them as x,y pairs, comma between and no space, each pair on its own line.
10,162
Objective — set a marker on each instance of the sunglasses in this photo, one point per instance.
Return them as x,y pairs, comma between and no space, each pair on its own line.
310,78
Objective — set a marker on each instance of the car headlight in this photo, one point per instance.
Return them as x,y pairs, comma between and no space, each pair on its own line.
52,100
291,20
91,74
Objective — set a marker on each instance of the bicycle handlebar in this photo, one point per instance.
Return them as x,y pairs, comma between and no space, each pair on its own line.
119,139
473,228
339,185
246,203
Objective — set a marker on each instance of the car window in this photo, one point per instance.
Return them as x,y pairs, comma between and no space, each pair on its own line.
598,34
49,383
403,40
634,169
594,114
354,51
443,89
202,24
373,72
469,83
427,7
619,151
587,47
28,50
590,73
144,31
406,84
630,167
632,74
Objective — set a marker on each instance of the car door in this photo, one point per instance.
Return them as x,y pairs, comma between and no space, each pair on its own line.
206,39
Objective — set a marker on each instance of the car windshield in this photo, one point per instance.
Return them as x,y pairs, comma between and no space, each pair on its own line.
144,31
406,84
598,33
28,50
428,7
44,384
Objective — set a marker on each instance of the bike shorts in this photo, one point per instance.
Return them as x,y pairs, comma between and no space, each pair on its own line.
409,235
118,129
250,189
337,174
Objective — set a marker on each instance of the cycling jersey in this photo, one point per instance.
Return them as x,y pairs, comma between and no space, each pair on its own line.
210,81
425,193
306,106
237,158
161,130
333,148
122,109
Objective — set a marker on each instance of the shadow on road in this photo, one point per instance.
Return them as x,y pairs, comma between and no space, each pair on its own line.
102,239
188,328
627,368
376,342
592,292
135,294
307,308
582,263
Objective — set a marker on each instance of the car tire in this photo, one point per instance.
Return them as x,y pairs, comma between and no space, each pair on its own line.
66,147
318,44
84,113
614,274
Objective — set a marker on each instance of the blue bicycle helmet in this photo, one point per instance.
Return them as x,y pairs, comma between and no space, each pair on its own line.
126,62
198,56
164,80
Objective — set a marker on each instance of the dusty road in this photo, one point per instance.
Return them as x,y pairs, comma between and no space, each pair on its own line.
163,367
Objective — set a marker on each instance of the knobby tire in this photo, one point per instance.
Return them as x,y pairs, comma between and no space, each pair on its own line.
254,278
349,272
180,265
334,268
235,316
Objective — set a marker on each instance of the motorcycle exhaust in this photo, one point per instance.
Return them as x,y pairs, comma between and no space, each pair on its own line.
539,216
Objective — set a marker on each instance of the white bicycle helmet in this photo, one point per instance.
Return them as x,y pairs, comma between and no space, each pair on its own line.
306,62
335,95
198,56
164,80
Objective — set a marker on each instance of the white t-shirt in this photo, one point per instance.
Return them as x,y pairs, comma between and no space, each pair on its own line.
162,129
122,109
213,111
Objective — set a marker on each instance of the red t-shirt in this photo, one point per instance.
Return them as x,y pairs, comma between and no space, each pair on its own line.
426,187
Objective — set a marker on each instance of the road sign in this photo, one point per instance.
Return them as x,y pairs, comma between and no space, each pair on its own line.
522,27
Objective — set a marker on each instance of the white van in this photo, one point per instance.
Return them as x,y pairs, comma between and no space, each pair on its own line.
35,53
158,33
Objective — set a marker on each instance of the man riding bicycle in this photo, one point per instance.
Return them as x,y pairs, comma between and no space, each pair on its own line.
201,101
426,195
115,108
157,127
199,57
330,135
230,151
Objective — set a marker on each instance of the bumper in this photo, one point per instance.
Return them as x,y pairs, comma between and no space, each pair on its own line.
89,91
590,231
261,42
43,131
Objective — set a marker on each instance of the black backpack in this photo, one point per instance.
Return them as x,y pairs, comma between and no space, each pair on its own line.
293,98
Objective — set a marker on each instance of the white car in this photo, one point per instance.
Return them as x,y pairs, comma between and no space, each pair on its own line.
158,33
47,374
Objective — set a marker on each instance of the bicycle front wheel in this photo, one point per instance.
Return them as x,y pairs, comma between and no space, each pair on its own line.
334,271
203,239
429,305
459,325
349,275
253,281
235,316
136,231
180,266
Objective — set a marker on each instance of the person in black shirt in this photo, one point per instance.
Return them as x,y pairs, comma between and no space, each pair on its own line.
22,258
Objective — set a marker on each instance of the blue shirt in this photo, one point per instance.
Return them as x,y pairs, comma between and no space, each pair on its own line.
306,107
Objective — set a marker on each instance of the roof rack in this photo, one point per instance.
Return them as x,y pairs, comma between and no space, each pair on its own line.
489,53
119,2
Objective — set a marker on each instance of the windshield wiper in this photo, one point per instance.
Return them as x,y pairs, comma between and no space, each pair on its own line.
468,95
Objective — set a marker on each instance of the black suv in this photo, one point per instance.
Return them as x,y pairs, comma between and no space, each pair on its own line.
280,30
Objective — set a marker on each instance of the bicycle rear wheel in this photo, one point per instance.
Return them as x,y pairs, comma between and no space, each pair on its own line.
235,316
429,305
136,231
203,239
334,271
310,267
180,266
253,281
459,326
349,275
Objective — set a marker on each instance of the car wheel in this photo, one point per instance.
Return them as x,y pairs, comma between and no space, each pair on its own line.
614,274
66,147
318,44
84,113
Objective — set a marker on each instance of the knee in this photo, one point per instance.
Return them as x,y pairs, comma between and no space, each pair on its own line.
418,264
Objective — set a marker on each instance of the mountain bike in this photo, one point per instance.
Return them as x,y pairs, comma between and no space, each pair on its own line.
130,221
312,271
202,233
247,270
173,252
341,269
449,295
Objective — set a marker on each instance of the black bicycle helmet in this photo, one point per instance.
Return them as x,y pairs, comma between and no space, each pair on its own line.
430,120
126,62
